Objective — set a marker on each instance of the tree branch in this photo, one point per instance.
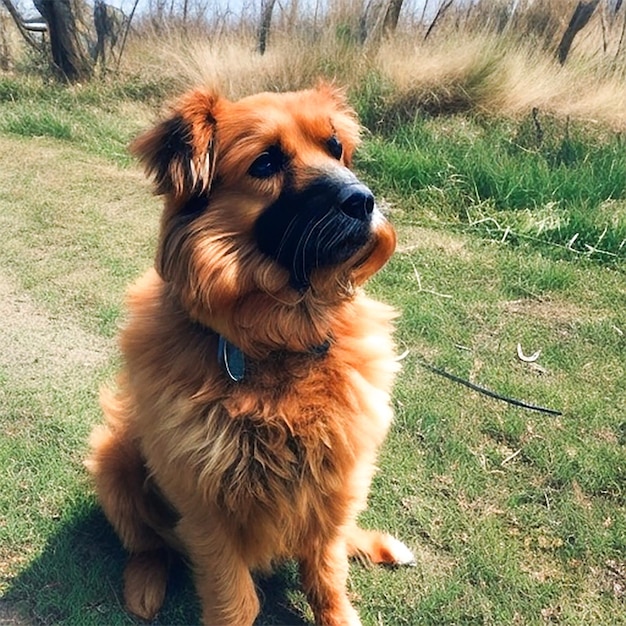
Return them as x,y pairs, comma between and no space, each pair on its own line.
19,22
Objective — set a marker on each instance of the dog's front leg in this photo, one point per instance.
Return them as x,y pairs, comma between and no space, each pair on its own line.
222,578
324,572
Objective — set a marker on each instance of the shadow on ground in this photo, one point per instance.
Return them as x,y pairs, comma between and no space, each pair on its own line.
77,581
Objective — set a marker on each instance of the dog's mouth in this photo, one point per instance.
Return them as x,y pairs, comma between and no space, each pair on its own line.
323,225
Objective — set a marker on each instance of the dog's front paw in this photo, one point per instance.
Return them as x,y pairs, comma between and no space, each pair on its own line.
347,617
394,552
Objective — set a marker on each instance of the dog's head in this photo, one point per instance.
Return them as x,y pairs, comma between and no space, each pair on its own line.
261,201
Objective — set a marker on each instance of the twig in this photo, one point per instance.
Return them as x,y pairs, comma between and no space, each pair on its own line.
569,247
487,392
570,243
422,290
527,359
510,457
130,19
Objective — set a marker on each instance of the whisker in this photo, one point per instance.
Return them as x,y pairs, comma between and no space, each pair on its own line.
320,238
286,234
301,246
338,235
300,276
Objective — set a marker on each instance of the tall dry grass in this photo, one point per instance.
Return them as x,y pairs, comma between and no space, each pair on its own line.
489,73
483,59
493,56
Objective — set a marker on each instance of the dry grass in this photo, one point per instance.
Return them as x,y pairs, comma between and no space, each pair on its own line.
466,64
479,56
489,73
233,64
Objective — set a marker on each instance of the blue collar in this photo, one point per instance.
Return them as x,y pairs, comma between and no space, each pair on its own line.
233,360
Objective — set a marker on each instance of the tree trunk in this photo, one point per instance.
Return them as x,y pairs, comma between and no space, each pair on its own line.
68,40
392,14
267,7
110,24
4,46
443,7
386,14
581,16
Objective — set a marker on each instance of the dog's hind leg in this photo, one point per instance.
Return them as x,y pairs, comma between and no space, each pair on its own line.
377,547
145,582
120,475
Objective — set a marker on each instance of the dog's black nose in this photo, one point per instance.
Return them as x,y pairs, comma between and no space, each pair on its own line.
356,201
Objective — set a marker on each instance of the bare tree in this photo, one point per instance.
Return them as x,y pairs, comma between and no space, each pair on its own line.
109,23
443,7
386,14
69,38
391,16
185,12
580,18
126,30
621,37
4,44
267,8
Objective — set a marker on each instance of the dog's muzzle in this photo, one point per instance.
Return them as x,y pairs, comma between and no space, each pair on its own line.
321,225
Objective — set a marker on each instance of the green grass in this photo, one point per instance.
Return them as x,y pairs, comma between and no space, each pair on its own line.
556,183
98,117
515,517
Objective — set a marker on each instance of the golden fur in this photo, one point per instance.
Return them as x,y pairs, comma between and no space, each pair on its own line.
239,475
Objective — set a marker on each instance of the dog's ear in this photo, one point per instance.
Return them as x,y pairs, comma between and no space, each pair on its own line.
179,152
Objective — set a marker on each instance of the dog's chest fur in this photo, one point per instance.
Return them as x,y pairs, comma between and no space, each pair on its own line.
298,434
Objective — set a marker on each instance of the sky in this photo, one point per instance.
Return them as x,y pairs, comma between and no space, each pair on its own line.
241,7
219,6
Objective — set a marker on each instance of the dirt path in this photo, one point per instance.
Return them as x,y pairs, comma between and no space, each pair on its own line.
36,346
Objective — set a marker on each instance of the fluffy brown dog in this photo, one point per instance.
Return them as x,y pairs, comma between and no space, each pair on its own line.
255,394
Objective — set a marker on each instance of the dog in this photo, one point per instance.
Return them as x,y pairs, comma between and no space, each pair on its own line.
244,427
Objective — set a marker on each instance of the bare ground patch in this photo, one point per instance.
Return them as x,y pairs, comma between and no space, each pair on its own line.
417,238
37,346
549,310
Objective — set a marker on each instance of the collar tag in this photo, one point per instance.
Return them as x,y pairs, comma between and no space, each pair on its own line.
232,359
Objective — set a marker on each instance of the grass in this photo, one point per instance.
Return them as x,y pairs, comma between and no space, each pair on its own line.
537,178
515,517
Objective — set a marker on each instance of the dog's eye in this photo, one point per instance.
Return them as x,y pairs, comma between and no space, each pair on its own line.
267,164
334,147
